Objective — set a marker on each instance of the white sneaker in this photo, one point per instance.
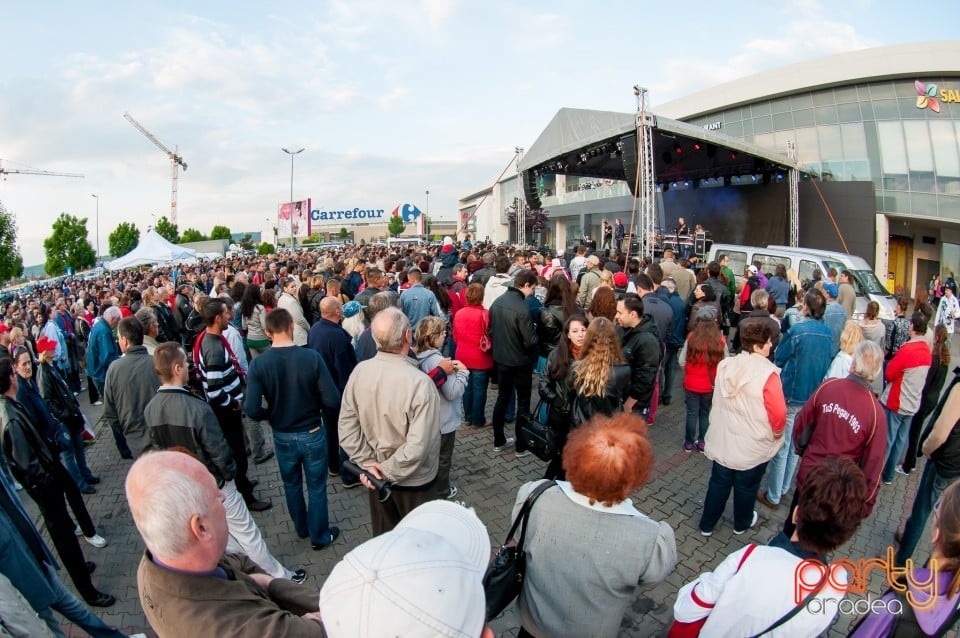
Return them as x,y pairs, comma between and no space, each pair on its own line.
77,531
500,448
520,455
752,523
96,540
97,402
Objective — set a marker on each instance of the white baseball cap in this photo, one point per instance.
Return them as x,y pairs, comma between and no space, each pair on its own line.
424,578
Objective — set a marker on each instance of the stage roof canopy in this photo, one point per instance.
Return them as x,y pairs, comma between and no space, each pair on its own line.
603,144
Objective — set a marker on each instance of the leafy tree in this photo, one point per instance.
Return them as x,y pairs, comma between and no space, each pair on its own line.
313,238
192,234
68,246
123,239
221,232
343,234
266,249
168,230
11,263
246,242
363,242
396,226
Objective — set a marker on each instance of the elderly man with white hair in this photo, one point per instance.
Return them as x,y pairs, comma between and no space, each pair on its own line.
844,419
187,584
102,348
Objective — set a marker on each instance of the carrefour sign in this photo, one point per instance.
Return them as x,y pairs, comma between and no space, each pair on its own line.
352,216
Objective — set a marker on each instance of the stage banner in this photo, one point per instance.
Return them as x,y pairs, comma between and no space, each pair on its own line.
296,213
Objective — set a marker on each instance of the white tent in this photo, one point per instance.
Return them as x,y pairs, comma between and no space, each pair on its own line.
153,249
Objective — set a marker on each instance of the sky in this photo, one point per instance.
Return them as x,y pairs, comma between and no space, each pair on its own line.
388,99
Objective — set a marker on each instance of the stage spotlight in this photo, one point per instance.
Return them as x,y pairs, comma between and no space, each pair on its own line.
736,179
733,156
686,184
696,146
673,184
753,177
779,177
678,149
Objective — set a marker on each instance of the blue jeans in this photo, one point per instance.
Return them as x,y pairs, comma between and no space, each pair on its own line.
744,484
74,458
898,427
475,398
698,412
784,463
300,453
928,491
73,609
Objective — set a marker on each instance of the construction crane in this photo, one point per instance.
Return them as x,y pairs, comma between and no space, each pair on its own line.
30,171
176,161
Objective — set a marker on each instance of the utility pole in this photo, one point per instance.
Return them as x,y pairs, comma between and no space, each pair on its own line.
293,240
97,198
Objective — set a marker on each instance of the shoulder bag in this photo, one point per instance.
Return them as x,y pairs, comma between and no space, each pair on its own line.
536,433
503,581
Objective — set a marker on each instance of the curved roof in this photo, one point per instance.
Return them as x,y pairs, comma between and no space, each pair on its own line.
879,63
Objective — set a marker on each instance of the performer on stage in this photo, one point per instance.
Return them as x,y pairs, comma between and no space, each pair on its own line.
607,234
682,228
619,232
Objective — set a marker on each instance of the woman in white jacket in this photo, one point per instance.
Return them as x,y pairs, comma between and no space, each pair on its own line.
948,310
288,301
431,332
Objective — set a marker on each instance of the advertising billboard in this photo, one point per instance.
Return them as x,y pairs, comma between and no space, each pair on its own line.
297,214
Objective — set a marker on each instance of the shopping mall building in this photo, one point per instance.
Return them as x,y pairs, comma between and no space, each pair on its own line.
876,137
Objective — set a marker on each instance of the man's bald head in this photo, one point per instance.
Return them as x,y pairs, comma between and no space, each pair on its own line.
177,509
391,331
330,309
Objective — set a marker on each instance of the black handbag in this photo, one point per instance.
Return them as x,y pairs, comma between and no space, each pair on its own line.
503,580
536,433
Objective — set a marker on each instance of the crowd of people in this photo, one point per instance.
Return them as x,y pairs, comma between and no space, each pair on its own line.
360,364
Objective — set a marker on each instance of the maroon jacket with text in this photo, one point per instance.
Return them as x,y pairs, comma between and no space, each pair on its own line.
849,423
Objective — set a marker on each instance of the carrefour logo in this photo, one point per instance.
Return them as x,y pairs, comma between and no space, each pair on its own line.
408,212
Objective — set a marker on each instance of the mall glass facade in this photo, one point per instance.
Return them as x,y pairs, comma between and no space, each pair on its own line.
872,131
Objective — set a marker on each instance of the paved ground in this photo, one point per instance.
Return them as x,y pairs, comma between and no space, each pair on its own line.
488,482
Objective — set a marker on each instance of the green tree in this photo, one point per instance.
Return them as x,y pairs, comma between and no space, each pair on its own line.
221,232
246,242
313,238
123,239
68,246
168,230
344,233
192,234
396,226
11,263
266,249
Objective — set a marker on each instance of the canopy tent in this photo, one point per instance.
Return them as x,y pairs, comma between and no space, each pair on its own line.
153,249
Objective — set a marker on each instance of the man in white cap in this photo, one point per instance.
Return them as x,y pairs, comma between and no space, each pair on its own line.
589,281
424,578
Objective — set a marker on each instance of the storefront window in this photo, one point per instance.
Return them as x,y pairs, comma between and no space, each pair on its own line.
893,155
950,263
919,155
856,162
831,152
943,136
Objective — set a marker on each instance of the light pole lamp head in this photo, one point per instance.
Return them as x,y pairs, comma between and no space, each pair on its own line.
286,150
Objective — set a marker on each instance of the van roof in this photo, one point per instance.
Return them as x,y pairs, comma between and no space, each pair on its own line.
858,263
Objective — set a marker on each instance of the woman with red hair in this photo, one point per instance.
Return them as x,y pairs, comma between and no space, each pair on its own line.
587,546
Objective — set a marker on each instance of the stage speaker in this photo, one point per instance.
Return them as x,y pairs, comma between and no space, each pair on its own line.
530,190
628,150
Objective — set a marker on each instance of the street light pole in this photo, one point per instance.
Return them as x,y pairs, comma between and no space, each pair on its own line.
291,154
426,213
97,198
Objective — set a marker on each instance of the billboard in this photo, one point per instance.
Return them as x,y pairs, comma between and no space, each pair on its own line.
356,216
297,214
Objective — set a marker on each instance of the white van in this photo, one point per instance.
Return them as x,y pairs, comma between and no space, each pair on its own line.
805,262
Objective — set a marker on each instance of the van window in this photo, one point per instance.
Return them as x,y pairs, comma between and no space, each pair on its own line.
768,263
738,260
867,280
807,270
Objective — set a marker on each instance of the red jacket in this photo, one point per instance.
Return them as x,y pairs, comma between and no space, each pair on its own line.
469,324
849,423
697,376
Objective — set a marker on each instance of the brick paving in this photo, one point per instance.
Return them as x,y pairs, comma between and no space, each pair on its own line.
487,482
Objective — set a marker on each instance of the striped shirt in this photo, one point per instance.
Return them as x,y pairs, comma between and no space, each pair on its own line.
221,381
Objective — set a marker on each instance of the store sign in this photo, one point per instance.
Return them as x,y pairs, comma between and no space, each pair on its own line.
355,216
928,97
713,126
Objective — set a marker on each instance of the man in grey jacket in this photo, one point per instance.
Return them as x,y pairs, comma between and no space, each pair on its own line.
131,383
177,418
390,422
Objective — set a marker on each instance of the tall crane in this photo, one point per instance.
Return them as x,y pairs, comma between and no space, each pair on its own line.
30,171
176,161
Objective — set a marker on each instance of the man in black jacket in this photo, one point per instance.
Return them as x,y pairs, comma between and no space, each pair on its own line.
512,336
34,463
642,350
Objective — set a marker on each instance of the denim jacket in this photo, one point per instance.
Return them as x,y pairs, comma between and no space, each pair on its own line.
804,354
